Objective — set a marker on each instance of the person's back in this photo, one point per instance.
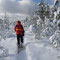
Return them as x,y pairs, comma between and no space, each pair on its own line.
19,28
19,32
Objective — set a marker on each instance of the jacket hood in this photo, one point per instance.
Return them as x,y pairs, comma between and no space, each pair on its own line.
18,22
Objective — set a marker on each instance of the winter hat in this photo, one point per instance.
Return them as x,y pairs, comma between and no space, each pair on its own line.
18,21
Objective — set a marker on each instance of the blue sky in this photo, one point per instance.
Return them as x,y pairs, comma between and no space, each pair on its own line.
50,2
37,1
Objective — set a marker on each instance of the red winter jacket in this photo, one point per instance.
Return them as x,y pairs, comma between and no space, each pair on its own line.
19,29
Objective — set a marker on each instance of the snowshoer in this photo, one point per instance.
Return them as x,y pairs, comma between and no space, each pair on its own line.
20,33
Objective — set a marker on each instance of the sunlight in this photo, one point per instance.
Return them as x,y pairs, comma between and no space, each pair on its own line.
24,2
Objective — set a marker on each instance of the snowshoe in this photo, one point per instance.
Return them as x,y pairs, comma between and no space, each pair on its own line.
20,48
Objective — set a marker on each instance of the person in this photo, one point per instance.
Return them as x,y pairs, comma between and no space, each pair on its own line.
20,33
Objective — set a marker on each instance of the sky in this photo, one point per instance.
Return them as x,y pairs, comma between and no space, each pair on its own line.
50,2
20,6
37,1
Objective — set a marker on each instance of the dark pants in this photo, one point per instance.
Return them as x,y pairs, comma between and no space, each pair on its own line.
19,39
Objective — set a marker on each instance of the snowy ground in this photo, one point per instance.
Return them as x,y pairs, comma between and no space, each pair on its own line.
34,49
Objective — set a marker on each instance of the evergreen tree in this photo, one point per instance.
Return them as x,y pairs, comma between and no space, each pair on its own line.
58,16
41,11
44,10
47,10
6,22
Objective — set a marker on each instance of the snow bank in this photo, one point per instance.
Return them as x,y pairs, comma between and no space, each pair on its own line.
55,39
3,52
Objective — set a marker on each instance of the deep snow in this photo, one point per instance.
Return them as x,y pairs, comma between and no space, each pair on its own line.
34,49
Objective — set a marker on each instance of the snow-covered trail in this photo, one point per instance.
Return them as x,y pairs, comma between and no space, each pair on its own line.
34,50
41,50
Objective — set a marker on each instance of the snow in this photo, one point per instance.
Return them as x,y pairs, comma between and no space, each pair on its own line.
34,49
41,40
58,22
55,39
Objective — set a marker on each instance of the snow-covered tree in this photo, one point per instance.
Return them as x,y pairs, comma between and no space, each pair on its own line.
36,26
58,16
55,38
6,21
49,28
27,22
43,10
